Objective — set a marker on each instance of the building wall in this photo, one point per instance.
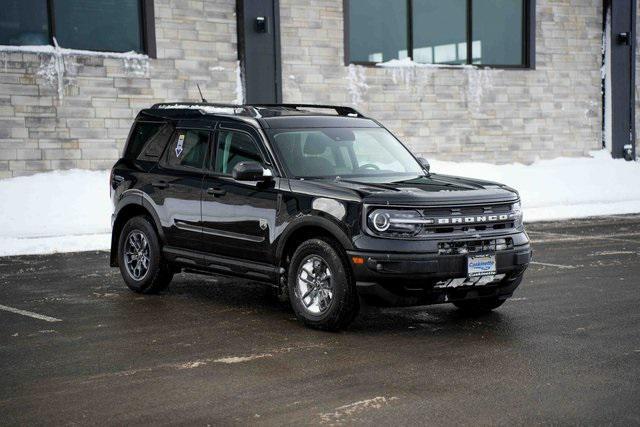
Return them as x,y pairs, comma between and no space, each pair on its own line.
486,115
75,111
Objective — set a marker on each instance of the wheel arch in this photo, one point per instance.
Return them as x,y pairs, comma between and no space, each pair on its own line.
129,209
307,228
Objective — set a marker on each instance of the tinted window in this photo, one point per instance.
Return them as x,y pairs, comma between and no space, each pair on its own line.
155,145
440,31
377,30
188,149
142,132
233,148
497,32
105,25
24,22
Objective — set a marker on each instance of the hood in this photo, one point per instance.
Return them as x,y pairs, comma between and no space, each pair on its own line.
424,190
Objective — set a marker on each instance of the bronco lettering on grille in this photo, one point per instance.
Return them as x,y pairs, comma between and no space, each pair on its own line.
472,219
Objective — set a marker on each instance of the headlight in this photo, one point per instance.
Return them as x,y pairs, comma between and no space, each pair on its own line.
393,222
516,212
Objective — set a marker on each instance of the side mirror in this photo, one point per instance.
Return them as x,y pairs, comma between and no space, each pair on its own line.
250,171
424,163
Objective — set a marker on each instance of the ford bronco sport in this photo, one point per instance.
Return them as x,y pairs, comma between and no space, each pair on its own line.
326,208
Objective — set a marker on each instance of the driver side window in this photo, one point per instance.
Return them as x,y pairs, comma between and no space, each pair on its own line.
233,147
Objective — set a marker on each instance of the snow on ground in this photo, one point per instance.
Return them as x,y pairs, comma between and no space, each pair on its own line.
562,188
62,211
67,211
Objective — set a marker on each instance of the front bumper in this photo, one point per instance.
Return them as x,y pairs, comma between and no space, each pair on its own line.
425,278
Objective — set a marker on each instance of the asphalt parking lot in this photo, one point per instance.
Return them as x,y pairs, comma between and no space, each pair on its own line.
564,350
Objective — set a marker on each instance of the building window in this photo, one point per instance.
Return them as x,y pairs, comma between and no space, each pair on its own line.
378,30
98,25
496,33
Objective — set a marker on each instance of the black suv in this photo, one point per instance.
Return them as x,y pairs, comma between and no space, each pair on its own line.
326,208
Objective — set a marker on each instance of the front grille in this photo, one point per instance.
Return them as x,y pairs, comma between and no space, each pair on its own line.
474,246
437,222
501,208
454,214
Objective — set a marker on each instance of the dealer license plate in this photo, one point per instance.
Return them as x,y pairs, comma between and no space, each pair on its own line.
481,265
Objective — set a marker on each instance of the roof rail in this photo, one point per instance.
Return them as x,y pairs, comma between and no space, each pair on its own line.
340,109
197,105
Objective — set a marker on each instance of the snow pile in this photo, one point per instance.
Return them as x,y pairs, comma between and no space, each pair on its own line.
62,211
68,211
562,188
65,51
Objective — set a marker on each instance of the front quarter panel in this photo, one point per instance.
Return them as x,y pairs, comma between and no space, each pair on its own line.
306,205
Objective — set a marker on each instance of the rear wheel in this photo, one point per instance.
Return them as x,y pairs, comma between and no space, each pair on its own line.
140,259
321,289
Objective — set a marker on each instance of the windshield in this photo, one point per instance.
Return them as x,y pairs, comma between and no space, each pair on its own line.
343,152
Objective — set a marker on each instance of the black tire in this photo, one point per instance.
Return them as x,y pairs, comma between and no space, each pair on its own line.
344,304
479,306
158,273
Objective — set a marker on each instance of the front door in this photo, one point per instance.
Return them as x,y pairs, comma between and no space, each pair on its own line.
259,50
238,218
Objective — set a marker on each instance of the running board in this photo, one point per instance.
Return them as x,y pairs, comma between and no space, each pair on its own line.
201,262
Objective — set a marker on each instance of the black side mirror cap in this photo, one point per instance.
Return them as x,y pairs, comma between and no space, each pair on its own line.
424,163
250,171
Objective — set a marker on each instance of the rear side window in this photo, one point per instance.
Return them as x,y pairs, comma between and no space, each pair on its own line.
142,133
188,149
155,145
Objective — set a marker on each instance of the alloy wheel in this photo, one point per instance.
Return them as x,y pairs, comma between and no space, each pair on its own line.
314,287
136,255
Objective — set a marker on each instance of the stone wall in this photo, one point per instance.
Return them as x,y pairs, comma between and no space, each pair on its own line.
60,110
486,115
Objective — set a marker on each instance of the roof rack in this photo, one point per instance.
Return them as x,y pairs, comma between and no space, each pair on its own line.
340,109
250,110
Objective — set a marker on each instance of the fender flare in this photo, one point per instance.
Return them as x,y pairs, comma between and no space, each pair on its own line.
133,198
314,221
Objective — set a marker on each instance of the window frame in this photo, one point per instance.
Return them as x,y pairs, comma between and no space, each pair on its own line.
210,164
528,37
131,136
146,27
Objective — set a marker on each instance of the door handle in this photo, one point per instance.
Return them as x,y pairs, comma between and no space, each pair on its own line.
160,184
216,191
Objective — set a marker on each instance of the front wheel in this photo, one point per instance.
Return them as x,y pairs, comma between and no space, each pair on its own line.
140,259
321,289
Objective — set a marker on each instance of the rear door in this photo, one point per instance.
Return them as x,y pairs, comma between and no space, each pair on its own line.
176,186
238,218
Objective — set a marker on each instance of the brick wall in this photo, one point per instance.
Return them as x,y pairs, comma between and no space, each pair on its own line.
488,115
75,111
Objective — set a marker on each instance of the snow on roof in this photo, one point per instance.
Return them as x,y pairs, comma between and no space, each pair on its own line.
205,108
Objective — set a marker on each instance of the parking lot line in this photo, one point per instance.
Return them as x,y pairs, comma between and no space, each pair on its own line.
30,314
